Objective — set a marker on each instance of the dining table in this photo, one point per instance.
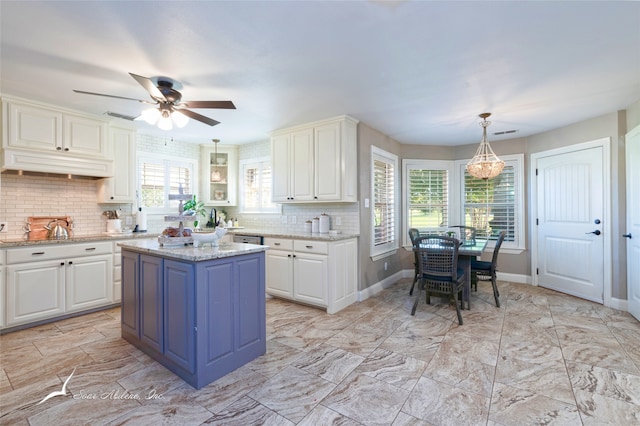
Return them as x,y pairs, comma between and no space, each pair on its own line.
467,251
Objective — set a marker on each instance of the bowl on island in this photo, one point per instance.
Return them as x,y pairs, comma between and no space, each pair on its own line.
208,236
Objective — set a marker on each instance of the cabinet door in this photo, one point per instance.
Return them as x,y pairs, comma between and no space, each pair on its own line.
35,291
121,187
310,275
89,282
280,168
84,136
129,314
33,127
152,298
279,278
179,314
302,184
328,159
224,163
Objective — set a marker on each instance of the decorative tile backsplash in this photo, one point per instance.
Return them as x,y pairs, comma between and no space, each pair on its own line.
28,195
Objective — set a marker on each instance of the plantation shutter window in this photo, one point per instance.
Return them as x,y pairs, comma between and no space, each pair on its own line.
490,206
428,199
255,187
383,194
159,177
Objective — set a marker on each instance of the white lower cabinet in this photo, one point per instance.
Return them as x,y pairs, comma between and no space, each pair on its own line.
318,273
45,281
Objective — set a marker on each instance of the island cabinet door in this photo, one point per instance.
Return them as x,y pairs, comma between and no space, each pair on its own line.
179,314
130,294
151,297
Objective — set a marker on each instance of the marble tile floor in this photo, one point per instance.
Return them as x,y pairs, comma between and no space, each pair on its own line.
541,358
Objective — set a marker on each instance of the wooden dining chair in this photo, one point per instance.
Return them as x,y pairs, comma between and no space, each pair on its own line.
486,271
413,235
437,258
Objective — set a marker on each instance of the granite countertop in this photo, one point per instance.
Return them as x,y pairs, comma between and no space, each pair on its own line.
190,253
284,233
78,239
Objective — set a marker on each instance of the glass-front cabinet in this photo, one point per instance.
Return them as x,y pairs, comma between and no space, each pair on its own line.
219,175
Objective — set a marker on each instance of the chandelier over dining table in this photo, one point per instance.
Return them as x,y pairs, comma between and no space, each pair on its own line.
485,164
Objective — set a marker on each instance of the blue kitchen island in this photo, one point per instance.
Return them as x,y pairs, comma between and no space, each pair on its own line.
200,312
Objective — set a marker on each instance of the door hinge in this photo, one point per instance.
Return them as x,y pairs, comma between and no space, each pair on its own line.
537,271
536,172
537,221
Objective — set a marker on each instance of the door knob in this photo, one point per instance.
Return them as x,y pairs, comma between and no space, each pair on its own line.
627,235
597,232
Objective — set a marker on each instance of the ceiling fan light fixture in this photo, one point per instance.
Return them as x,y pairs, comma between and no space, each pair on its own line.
164,123
179,119
485,164
150,115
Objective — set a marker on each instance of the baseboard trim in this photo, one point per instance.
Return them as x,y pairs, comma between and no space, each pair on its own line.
514,278
376,288
619,304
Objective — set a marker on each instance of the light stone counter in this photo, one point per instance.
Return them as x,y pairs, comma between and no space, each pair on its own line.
190,253
284,233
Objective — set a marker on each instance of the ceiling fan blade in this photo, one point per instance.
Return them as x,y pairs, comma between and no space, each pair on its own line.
149,86
210,104
199,117
112,96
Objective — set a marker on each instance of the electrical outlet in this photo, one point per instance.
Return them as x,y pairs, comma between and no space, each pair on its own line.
293,220
4,227
283,220
338,220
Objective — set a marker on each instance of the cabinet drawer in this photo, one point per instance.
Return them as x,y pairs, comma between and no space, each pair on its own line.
308,246
279,243
59,251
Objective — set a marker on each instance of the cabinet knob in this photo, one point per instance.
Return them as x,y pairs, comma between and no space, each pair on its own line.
61,263
59,148
66,149
70,263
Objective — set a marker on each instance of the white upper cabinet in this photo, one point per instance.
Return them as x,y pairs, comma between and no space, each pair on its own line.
121,187
45,129
315,162
222,191
41,138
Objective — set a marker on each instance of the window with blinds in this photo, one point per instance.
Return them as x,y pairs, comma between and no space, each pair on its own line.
491,206
428,198
383,188
160,177
255,187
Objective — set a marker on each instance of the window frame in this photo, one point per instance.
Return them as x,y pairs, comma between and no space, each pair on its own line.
167,162
415,164
391,247
457,193
517,162
242,164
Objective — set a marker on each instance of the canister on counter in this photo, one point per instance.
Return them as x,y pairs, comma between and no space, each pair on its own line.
307,226
315,225
325,223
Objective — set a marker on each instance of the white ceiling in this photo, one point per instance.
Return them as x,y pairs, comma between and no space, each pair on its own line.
419,72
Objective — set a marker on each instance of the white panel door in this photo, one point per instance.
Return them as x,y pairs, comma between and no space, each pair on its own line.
570,208
633,220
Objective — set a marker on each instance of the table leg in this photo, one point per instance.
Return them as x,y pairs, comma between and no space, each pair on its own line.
465,262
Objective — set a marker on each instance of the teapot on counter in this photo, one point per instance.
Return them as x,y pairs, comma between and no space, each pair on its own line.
57,232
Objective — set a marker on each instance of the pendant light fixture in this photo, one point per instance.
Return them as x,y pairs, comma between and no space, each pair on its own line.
485,164
215,174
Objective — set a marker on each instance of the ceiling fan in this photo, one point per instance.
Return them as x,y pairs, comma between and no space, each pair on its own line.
169,103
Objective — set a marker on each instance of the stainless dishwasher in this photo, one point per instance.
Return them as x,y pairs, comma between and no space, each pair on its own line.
249,239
